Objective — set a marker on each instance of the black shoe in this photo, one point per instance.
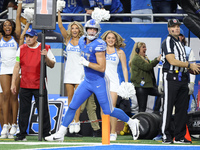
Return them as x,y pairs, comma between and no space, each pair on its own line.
167,141
97,133
20,138
183,141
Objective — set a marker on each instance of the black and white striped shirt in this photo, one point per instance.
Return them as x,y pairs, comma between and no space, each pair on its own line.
173,46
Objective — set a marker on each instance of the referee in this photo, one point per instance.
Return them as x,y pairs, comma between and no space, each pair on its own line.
175,79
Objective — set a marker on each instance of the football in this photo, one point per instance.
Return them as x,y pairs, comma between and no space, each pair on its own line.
192,72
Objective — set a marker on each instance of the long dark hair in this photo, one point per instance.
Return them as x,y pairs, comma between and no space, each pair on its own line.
13,28
184,41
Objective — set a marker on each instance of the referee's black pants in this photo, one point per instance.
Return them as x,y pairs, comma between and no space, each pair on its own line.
175,94
25,96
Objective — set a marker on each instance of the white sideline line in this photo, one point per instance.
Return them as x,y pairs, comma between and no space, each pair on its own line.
49,143
87,144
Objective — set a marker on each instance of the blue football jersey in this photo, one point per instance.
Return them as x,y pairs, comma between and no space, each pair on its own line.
88,52
73,6
115,6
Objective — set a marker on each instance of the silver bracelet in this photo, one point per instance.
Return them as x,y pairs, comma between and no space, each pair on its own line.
20,2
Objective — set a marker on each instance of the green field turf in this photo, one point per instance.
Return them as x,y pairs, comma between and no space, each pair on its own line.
32,142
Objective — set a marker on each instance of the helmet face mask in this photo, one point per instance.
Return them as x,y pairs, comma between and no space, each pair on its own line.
92,24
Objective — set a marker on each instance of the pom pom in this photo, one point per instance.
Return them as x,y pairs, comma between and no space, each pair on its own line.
105,15
126,90
60,5
100,14
28,14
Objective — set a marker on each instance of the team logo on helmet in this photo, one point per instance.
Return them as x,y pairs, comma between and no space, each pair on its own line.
92,22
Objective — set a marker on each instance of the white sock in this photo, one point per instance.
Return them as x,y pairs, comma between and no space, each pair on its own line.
129,121
62,130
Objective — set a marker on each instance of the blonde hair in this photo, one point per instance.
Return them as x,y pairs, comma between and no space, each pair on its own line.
133,53
119,40
80,26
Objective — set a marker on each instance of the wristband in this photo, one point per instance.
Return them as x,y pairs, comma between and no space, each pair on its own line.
188,65
19,2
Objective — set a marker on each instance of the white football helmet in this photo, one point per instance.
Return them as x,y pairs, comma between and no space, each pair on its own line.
92,23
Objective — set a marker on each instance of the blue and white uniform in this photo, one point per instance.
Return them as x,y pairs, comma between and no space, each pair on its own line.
189,54
112,61
73,6
137,5
114,6
144,7
8,55
94,82
74,72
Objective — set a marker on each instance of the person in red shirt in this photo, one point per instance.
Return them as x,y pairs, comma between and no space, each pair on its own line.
28,59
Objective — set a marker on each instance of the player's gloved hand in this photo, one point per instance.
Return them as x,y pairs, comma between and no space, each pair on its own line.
84,62
191,88
60,5
160,87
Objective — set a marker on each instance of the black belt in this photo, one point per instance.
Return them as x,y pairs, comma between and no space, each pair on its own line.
174,71
180,76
